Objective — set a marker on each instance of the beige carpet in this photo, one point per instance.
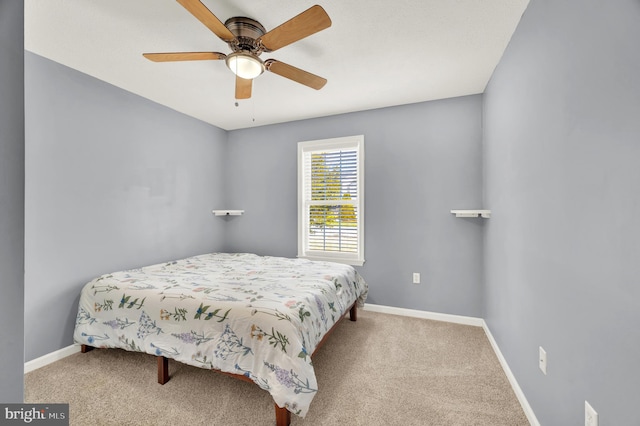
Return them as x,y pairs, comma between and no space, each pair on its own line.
381,370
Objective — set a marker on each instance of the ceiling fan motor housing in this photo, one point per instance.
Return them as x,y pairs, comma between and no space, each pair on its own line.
247,31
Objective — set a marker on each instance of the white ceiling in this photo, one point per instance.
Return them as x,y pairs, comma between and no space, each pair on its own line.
376,53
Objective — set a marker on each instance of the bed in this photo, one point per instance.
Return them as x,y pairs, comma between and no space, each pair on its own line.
259,318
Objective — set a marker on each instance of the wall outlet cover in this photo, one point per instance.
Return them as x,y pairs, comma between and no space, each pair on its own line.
542,360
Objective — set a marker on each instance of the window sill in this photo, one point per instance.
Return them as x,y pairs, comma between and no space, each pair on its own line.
351,262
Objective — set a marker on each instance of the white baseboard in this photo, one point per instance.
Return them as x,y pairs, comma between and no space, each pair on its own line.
456,319
50,357
528,411
478,322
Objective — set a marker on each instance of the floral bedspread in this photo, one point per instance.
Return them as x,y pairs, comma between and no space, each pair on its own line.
257,316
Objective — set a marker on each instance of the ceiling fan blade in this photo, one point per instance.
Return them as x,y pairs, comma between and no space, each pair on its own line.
295,74
204,15
184,56
243,88
303,25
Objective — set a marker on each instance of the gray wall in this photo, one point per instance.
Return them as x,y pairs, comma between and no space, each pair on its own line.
11,199
113,181
421,161
562,175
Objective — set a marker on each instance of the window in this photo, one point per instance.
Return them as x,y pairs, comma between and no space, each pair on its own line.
331,200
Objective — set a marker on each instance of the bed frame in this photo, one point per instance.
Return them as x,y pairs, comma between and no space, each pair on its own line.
283,416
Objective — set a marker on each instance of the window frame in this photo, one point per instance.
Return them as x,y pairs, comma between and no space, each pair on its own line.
348,142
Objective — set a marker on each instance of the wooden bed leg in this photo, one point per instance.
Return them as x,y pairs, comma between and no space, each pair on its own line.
163,370
353,313
85,348
283,416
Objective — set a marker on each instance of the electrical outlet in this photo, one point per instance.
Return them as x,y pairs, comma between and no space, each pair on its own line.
416,277
542,361
590,415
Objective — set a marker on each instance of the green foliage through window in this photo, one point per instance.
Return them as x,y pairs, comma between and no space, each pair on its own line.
333,225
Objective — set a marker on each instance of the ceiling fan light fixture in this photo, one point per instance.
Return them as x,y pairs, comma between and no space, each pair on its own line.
245,65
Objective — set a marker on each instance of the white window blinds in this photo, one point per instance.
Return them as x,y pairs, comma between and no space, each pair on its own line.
331,203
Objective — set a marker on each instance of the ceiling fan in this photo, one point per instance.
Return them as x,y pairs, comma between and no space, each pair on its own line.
247,38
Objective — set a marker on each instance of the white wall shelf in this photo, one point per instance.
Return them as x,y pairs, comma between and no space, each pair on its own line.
227,212
472,213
